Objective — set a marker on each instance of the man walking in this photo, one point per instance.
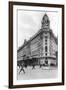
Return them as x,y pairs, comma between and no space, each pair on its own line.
21,69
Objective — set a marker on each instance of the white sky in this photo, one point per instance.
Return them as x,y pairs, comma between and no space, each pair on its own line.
29,22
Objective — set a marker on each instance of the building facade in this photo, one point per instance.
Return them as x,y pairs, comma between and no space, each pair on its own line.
42,48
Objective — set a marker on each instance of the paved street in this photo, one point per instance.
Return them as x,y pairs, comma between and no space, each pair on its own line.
37,73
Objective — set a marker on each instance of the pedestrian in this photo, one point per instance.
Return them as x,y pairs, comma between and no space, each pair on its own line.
40,65
33,66
21,69
33,61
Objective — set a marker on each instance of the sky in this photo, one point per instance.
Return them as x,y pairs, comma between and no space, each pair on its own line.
29,22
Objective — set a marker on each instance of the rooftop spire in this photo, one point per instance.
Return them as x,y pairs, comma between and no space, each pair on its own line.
45,21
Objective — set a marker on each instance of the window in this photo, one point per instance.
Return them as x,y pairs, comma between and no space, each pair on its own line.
45,32
46,54
45,43
45,40
45,37
45,48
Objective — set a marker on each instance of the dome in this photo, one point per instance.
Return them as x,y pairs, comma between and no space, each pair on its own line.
45,21
45,18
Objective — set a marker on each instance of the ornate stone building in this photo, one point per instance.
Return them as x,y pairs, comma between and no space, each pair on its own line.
42,48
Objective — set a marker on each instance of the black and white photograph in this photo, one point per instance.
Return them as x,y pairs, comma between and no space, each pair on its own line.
37,54
37,44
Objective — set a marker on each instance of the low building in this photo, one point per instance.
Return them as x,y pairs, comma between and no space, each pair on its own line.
40,49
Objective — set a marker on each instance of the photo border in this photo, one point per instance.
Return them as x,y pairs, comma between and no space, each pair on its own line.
11,3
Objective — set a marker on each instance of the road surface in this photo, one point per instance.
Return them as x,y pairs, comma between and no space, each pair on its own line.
37,73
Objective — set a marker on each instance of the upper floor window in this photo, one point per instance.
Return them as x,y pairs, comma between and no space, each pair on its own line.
46,54
45,40
46,37
45,48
